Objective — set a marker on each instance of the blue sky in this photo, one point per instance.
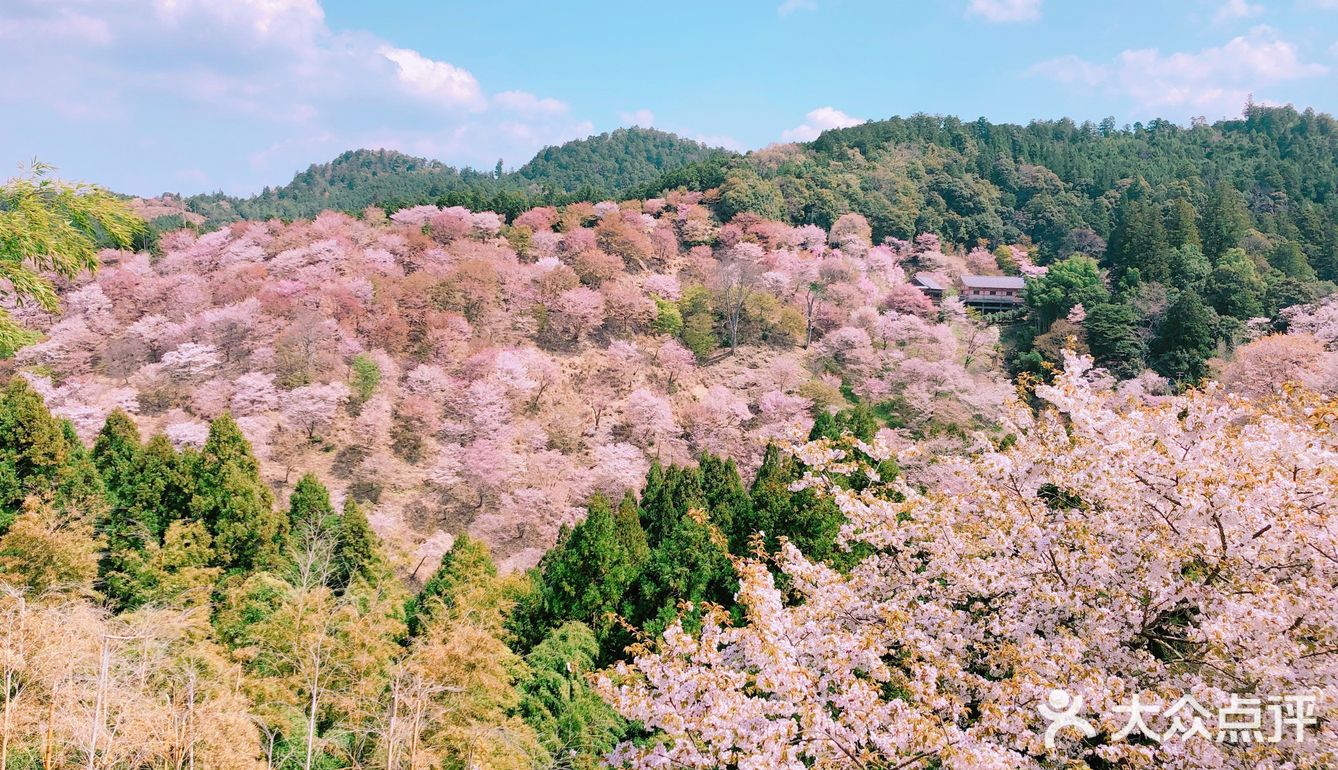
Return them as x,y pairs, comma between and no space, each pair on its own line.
146,96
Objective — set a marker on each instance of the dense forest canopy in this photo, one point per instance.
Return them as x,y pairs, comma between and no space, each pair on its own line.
600,166
1047,180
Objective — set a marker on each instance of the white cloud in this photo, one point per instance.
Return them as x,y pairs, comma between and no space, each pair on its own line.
1214,80
1005,10
261,80
527,103
720,140
1232,10
436,81
817,121
790,6
644,118
1070,70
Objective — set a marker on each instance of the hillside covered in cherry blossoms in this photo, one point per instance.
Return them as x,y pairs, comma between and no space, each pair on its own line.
455,374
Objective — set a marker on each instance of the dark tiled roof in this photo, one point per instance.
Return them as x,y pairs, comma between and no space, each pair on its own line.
992,282
928,281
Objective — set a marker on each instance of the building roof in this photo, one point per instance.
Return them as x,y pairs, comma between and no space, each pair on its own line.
927,281
993,282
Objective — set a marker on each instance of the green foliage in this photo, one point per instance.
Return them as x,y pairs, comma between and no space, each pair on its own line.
366,376
611,163
234,503
810,522
40,456
699,334
749,193
1076,280
468,562
604,166
1185,340
569,717
357,552
1225,220
587,572
1050,180
1113,338
668,320
1234,288
48,226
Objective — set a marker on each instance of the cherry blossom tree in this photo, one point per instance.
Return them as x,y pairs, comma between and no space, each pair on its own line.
1159,549
311,408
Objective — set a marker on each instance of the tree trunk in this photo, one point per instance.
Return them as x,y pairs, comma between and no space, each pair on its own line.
390,729
103,673
311,715
4,732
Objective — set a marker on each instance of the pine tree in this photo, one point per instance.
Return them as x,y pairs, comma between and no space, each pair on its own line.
1113,338
40,456
1186,338
1225,220
569,717
233,501
468,562
357,548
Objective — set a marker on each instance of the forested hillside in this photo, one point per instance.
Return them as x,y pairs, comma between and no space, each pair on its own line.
1048,181
603,166
1171,238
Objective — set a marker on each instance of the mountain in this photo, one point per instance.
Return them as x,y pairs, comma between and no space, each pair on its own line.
603,166
351,182
613,163
1057,183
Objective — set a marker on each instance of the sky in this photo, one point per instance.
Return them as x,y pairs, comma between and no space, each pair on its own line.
150,96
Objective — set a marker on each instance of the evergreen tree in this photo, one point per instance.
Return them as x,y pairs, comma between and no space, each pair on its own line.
586,574
1113,338
1185,340
357,548
309,509
1189,267
468,562
627,524
669,494
726,498
40,455
691,565
1181,229
1225,220
1071,281
127,530
811,522
234,503
573,723
1139,238
1234,288
1288,259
